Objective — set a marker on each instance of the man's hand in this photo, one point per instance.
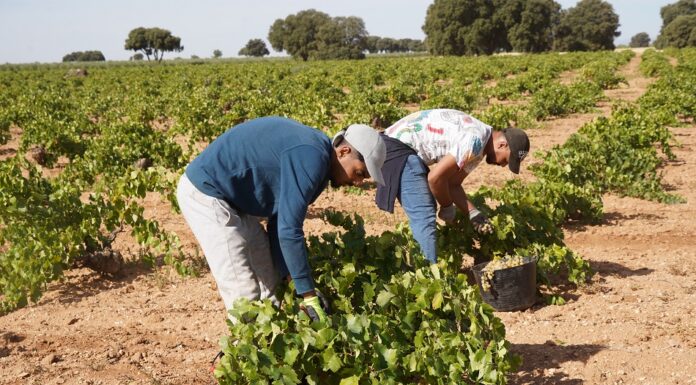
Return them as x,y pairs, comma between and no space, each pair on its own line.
324,301
313,307
480,222
316,305
447,213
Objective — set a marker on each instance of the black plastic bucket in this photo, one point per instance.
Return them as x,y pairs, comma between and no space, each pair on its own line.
511,289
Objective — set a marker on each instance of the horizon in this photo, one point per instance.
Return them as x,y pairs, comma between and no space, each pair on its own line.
58,28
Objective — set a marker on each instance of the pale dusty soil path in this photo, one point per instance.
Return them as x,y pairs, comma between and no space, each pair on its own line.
634,324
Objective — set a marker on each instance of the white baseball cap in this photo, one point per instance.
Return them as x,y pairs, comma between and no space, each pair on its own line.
369,144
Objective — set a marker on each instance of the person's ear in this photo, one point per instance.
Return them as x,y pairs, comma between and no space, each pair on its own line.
502,144
343,151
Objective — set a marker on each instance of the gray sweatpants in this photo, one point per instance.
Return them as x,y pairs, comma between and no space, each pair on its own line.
235,245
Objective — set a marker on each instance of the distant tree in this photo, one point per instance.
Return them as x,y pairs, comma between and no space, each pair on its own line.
93,56
137,57
671,11
217,54
386,44
400,45
84,56
153,41
639,40
194,57
417,46
591,25
311,34
376,44
679,33
341,38
462,27
410,45
71,57
254,47
297,34
371,43
529,24
403,45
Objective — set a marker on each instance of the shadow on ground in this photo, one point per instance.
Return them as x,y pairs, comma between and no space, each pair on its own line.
7,340
541,362
88,282
605,268
7,151
610,218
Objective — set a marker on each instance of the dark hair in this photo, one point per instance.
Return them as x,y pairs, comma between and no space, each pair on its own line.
343,141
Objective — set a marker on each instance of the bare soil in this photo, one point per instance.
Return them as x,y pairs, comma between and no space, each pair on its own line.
634,323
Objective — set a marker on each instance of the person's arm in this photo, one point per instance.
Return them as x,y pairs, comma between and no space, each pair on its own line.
454,175
276,252
478,220
439,179
302,172
445,181
459,195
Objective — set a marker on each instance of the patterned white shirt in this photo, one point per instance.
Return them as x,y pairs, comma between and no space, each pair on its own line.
436,133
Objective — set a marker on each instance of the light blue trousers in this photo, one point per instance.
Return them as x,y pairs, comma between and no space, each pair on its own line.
420,207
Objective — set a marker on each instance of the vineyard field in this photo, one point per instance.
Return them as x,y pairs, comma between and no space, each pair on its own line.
607,199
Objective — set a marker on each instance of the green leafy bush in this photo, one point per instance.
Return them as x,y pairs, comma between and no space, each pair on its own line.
523,84
392,321
673,93
458,97
654,63
45,227
416,329
559,100
499,116
614,154
603,73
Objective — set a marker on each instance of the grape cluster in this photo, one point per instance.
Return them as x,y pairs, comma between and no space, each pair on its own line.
486,228
505,262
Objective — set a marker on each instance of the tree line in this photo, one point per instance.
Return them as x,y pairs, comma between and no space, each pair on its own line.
475,27
678,25
481,27
452,27
84,56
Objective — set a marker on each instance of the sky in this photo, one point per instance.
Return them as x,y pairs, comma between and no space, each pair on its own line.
46,30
